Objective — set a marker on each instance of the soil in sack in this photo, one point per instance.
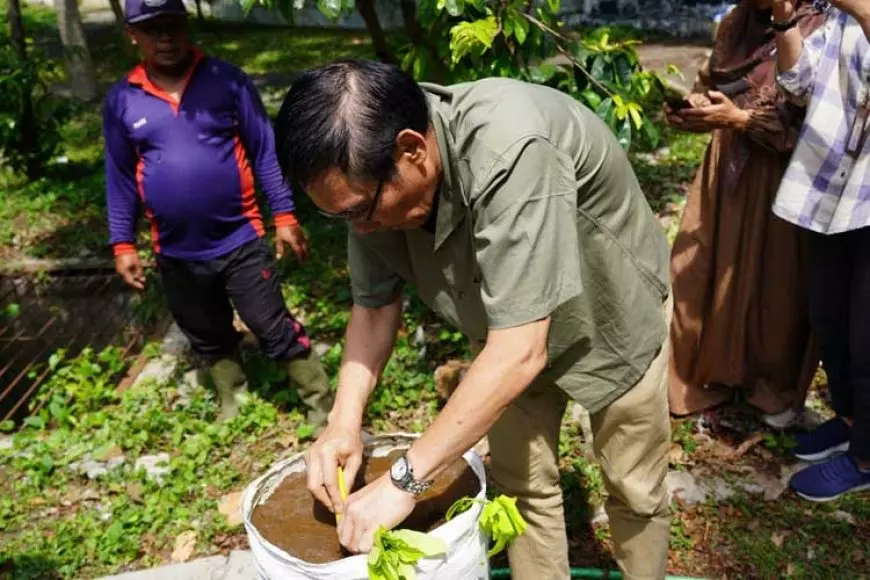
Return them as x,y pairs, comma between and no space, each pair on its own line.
294,521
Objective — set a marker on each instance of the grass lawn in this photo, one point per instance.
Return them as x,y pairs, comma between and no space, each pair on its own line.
59,522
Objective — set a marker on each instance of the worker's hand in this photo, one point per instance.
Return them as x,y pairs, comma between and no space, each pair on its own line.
378,504
293,236
857,9
721,114
130,269
783,10
337,445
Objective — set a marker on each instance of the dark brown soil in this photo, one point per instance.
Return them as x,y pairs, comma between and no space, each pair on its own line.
298,524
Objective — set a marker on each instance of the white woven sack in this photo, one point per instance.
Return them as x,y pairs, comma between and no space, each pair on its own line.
465,559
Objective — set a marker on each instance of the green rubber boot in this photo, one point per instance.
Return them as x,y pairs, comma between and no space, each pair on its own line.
312,384
231,385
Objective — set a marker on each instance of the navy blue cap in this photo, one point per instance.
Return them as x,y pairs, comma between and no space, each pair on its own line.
142,10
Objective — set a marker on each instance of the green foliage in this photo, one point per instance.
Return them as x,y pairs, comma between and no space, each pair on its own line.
465,40
81,386
24,81
500,519
394,553
89,527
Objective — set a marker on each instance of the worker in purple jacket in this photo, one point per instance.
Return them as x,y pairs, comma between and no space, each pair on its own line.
185,136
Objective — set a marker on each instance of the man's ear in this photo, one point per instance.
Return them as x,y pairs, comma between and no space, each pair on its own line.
411,146
131,35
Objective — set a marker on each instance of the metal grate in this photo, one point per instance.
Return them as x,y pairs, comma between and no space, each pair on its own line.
63,310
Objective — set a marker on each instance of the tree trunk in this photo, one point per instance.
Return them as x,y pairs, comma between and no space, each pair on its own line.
199,13
373,24
27,122
118,12
79,66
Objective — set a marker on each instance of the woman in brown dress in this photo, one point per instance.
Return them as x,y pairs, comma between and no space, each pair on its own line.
740,317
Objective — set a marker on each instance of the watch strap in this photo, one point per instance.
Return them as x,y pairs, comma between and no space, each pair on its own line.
784,26
408,483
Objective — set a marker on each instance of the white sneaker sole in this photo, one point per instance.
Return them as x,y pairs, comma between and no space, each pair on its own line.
864,487
822,455
782,421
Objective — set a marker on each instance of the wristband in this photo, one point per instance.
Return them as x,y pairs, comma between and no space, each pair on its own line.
784,26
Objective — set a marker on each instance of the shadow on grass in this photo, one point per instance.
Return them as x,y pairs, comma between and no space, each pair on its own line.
27,567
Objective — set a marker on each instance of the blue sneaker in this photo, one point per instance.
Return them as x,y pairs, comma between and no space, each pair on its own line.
829,480
829,438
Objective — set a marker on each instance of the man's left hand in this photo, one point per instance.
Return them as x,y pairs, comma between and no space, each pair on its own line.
295,238
378,504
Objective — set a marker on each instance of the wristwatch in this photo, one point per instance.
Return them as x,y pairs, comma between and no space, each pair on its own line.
783,26
402,476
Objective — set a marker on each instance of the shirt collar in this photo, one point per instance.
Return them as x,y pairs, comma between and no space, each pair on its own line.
139,77
452,206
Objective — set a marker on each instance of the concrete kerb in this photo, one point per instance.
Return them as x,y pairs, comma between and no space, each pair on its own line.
239,565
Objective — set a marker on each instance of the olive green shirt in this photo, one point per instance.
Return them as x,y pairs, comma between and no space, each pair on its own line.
539,214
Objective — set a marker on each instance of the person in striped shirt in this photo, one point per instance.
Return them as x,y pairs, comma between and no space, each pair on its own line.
826,190
186,137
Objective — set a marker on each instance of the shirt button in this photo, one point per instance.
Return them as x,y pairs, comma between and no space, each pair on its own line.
461,295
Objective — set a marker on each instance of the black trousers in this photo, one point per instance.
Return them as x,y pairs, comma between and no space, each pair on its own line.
840,316
201,296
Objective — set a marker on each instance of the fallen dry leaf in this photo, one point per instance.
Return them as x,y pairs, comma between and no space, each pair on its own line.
184,546
746,446
110,453
675,457
135,492
231,507
777,538
789,569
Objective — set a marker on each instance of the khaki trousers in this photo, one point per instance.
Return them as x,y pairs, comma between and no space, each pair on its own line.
631,439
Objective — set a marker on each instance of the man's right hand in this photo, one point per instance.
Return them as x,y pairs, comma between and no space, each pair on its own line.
130,269
338,445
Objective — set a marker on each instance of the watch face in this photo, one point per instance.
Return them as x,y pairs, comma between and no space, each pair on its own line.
399,469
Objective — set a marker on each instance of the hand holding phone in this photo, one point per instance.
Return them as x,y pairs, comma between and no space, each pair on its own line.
678,103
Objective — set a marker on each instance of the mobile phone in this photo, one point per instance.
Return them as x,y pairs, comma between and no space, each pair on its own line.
678,103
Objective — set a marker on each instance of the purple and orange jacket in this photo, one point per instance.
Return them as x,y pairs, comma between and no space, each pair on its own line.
191,164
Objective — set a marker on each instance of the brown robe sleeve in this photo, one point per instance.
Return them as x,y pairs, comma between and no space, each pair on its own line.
775,127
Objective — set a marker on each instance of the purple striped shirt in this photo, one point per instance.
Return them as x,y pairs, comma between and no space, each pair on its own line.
824,188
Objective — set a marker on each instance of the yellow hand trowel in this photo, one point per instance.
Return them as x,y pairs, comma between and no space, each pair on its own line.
342,490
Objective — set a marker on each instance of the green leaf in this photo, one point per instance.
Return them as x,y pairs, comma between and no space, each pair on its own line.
13,310
472,37
605,110
455,8
554,6
593,100
304,431
624,134
519,24
54,360
330,8
502,522
247,5
542,74
461,505
427,545
636,113
650,133
35,422
394,553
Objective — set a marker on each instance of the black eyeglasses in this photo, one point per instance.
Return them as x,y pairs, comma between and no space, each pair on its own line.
363,212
